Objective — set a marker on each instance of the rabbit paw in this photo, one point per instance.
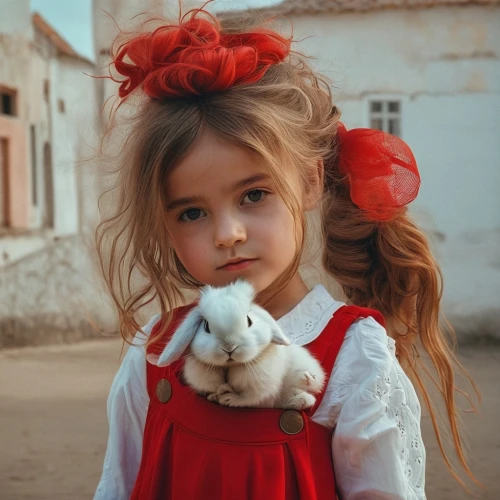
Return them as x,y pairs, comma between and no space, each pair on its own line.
310,382
214,397
231,399
224,389
300,401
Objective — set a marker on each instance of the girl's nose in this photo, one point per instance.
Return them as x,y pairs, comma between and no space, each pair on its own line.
229,231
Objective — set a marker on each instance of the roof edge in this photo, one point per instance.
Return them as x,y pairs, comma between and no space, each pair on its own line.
61,45
297,8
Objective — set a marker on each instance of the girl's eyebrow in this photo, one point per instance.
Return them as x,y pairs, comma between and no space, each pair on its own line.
180,202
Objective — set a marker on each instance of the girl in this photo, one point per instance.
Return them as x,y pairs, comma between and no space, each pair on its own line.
235,140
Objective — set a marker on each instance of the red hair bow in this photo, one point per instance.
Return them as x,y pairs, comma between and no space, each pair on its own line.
194,58
381,170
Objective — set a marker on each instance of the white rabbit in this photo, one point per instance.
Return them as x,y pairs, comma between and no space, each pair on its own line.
238,355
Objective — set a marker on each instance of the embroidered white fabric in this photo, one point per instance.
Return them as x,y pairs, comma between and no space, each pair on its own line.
377,446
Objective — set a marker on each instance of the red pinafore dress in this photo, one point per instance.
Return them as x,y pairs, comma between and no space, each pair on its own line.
194,449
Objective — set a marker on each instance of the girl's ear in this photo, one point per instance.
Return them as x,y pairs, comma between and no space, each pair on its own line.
314,190
180,339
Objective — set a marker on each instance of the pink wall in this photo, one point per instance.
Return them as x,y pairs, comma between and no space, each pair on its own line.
15,131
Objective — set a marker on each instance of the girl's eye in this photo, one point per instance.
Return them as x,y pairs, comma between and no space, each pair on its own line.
205,325
191,215
252,195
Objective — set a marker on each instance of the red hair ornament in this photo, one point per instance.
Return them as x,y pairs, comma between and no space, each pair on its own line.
381,171
195,58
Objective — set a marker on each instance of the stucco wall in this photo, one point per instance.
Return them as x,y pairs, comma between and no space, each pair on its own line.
54,296
74,139
16,17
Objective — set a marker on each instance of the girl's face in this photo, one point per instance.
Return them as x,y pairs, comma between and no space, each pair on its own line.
221,206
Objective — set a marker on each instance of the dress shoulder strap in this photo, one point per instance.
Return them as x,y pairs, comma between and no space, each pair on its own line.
327,346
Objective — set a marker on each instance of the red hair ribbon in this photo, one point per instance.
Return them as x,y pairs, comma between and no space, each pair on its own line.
381,170
194,58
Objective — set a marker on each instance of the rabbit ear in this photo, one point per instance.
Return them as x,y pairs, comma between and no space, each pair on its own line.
277,336
180,339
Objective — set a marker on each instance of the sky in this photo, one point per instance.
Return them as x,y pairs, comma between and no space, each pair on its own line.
77,29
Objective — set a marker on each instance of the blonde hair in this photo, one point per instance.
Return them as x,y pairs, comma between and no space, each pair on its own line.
287,119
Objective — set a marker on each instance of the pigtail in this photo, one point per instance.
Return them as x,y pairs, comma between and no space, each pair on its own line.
388,266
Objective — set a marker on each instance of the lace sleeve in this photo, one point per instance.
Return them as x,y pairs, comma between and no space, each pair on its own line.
127,408
377,446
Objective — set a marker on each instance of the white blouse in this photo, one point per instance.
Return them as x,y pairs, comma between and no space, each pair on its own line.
377,446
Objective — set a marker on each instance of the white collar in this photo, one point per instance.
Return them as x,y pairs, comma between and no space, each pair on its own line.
309,317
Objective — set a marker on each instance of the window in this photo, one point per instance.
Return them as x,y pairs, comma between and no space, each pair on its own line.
46,90
386,115
7,101
48,216
4,193
34,180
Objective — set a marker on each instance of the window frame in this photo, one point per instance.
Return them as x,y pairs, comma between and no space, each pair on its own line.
12,93
5,146
385,114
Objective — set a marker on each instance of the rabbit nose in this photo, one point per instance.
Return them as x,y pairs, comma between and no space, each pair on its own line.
233,348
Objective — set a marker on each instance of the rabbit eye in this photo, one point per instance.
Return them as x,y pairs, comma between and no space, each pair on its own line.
249,321
205,325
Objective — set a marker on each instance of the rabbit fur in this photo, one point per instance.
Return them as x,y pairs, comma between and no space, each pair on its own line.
237,355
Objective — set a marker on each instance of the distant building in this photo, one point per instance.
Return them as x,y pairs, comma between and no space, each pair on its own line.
47,119
48,127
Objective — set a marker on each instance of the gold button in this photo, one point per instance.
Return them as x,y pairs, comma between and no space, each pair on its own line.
163,390
291,422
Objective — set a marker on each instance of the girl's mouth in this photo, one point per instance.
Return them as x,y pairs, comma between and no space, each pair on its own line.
242,264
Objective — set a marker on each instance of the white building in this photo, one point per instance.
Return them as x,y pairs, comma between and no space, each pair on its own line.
47,125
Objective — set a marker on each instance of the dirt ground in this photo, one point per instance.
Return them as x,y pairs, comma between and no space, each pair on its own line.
53,426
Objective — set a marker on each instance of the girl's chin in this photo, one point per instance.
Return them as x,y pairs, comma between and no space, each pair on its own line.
234,276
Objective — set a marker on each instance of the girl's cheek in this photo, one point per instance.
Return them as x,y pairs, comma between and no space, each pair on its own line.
196,246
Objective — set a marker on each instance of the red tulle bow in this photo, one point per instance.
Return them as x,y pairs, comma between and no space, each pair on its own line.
381,170
194,58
